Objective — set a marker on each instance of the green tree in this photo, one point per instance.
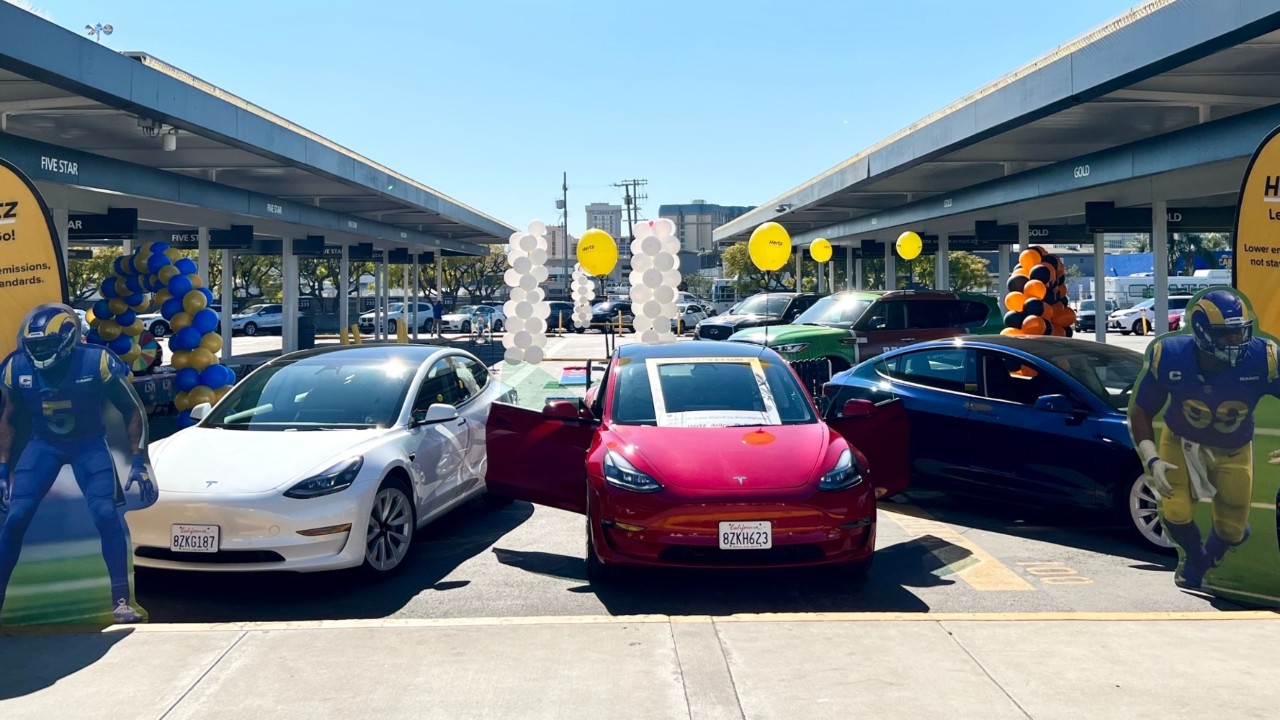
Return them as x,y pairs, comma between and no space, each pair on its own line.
85,276
968,271
749,278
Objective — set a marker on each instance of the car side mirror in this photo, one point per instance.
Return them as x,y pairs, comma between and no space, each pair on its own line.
436,413
566,410
200,411
1055,404
858,408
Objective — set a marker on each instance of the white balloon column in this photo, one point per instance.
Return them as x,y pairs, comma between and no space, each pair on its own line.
655,275
583,293
527,310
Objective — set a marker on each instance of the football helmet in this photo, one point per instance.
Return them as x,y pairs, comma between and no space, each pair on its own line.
48,335
1222,325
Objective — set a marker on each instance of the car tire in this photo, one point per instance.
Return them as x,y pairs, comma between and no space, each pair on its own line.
250,329
393,327
392,508
1137,506
1137,328
159,328
466,326
497,326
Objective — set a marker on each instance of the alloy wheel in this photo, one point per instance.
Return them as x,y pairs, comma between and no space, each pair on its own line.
1144,513
390,530
250,329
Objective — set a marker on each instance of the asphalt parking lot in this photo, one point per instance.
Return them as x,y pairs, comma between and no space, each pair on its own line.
935,553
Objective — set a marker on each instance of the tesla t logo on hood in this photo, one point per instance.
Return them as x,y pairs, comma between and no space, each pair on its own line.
742,479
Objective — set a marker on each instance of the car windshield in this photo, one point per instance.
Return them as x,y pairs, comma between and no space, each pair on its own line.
705,393
763,305
835,310
332,391
1086,304
466,310
1108,372
252,309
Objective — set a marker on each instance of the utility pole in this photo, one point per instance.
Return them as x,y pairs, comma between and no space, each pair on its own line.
632,198
563,202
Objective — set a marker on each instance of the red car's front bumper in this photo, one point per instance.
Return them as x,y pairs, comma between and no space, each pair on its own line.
680,528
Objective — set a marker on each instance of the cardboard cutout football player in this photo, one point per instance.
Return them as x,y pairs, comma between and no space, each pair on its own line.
1211,379
60,386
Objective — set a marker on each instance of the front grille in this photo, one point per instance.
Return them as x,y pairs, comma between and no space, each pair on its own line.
787,554
217,558
714,332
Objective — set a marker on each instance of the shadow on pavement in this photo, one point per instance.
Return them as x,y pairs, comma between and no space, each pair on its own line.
37,661
727,592
172,596
1091,530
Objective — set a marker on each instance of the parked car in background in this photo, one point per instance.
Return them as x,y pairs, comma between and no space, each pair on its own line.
764,309
461,320
1130,320
155,323
257,319
560,317
403,442
608,314
1085,314
396,312
706,454
849,327
688,315
1035,420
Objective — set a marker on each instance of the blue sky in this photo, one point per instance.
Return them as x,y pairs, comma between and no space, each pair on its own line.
489,100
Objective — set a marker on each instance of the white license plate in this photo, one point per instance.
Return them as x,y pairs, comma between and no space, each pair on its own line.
194,538
746,535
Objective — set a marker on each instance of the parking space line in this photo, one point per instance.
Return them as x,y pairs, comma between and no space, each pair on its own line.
961,556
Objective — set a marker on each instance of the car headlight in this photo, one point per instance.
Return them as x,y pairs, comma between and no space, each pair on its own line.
791,348
843,476
622,474
335,479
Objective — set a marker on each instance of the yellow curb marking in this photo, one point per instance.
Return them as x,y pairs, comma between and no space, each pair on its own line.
964,558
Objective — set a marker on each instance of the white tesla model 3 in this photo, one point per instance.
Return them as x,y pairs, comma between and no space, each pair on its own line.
321,460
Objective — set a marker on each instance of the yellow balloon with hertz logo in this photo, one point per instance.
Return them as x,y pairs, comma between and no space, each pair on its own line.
769,247
909,245
597,252
820,250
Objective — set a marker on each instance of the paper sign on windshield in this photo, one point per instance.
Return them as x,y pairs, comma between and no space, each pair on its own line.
711,392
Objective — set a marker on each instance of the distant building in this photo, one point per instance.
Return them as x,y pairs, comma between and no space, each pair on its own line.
605,217
696,220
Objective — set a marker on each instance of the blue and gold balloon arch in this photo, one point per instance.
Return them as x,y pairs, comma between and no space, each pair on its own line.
158,276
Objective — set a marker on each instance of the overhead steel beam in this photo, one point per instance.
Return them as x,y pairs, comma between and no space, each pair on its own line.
1190,98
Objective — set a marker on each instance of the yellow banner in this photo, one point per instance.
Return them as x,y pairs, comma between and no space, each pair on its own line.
1256,259
31,271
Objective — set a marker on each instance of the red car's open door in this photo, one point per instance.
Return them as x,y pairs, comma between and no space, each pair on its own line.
538,459
883,436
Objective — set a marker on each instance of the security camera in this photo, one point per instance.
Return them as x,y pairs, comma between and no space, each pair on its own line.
782,208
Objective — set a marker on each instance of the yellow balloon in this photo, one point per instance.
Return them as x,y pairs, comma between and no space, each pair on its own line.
135,329
140,262
180,321
770,247
109,330
173,254
221,393
211,342
201,359
141,307
597,252
199,394
820,250
122,289
909,245
181,359
161,296
182,401
167,273
90,318
134,353
196,282
117,306
194,301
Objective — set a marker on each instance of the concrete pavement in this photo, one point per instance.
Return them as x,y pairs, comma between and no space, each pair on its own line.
885,665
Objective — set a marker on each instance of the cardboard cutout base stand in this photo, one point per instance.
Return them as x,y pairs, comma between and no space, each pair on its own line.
72,439
1204,416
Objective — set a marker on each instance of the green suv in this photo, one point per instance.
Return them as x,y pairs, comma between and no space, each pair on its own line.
849,327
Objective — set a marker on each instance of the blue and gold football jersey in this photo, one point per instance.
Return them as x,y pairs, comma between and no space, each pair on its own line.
69,409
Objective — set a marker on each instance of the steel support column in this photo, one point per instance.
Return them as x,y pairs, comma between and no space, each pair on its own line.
942,264
1099,287
289,291
202,255
344,289
227,283
1160,249
890,268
